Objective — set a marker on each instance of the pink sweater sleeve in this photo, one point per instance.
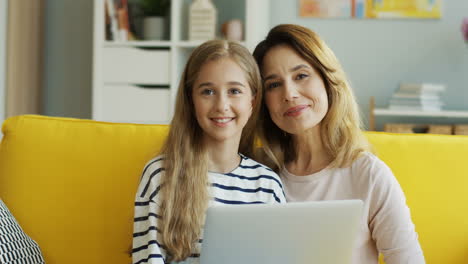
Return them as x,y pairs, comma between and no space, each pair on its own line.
390,221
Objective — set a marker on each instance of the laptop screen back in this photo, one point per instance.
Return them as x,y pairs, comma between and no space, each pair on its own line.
294,233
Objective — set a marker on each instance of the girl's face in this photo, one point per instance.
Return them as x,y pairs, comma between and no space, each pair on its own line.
295,93
223,100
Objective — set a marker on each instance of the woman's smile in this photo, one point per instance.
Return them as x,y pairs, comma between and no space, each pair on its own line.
296,110
222,121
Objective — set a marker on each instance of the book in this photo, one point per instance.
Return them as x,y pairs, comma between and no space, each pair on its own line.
107,23
426,95
404,101
124,21
421,87
415,108
118,21
114,24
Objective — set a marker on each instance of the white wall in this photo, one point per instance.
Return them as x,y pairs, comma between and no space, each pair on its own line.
378,54
3,30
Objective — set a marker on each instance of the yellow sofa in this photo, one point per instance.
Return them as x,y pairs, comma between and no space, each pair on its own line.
70,184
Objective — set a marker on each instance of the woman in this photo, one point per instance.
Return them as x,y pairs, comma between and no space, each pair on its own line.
310,129
200,162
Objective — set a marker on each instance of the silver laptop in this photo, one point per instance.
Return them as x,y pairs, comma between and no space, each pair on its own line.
295,233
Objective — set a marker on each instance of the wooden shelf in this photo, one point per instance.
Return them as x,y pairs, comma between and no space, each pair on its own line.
390,112
138,43
412,113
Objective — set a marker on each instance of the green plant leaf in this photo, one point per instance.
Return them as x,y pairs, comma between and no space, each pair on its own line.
155,7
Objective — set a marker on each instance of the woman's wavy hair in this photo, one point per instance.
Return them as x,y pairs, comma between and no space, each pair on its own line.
341,131
184,185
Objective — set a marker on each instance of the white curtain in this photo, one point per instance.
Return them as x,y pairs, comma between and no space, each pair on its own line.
3,30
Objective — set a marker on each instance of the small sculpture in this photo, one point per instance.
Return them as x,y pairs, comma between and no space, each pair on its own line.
202,20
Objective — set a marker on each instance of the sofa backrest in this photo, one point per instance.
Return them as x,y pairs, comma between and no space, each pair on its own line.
71,183
433,172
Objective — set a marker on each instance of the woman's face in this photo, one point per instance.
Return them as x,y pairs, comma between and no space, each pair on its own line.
295,93
223,100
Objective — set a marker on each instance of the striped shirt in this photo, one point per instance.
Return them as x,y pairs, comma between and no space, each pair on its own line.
251,182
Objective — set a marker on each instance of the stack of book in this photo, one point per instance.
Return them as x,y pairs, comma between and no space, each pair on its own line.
417,97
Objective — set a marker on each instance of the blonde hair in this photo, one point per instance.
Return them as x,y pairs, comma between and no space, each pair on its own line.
341,131
184,185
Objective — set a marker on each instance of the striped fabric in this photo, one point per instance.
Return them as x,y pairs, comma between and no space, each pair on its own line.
250,183
15,246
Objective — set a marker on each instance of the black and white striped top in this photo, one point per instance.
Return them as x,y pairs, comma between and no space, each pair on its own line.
251,182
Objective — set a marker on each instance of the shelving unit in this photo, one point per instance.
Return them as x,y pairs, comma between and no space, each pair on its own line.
137,81
142,43
373,112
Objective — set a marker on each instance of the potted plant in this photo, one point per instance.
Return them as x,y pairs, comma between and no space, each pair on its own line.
154,21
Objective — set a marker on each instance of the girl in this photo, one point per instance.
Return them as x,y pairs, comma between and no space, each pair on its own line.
200,163
310,128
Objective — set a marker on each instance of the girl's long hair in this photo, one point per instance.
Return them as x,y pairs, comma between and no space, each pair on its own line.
184,185
341,131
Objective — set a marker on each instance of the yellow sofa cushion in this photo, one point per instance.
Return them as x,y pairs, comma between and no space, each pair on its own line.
433,172
70,184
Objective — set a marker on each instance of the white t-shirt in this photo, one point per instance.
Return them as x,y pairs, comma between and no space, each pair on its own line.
249,183
386,224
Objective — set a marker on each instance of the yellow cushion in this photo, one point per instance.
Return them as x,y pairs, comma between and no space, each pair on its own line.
433,172
71,183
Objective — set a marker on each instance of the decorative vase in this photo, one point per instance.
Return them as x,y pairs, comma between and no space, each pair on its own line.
202,20
154,28
232,30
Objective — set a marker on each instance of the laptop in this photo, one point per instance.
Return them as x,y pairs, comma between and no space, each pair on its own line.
320,232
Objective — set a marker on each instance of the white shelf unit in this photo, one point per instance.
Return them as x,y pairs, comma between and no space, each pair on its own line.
137,81
410,113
